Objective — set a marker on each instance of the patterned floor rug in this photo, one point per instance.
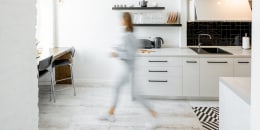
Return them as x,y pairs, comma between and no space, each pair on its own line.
208,116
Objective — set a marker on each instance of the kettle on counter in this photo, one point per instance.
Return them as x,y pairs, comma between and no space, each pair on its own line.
158,41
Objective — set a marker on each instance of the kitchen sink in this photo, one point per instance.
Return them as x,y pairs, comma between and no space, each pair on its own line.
210,51
199,50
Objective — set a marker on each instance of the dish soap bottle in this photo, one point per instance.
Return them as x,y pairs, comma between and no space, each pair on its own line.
246,42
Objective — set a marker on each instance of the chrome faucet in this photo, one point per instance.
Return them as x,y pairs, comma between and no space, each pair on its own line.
199,43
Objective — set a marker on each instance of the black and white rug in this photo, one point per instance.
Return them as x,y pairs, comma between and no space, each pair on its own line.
208,116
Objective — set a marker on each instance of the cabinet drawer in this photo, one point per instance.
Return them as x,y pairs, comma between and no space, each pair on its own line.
216,61
168,86
242,67
159,71
158,61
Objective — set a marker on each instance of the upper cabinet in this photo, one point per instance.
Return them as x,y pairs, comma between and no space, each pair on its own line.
219,10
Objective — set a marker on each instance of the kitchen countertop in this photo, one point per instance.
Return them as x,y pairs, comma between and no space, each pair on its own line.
237,52
240,86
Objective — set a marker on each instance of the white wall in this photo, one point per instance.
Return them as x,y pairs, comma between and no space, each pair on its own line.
92,27
45,23
18,77
255,89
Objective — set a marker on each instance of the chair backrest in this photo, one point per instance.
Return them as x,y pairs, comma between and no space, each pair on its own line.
72,51
45,63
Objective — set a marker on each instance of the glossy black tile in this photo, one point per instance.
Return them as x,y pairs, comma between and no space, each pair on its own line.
223,33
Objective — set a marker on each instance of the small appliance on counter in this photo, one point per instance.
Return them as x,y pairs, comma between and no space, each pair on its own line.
146,43
158,41
246,42
149,44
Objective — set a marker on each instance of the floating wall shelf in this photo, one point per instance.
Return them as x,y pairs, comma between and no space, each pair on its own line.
158,25
138,8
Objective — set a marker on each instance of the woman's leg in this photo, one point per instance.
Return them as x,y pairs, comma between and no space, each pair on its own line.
140,99
147,105
122,79
116,93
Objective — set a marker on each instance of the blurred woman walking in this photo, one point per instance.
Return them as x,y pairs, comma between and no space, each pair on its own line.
126,52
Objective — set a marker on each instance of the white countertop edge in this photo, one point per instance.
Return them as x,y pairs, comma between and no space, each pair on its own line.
195,56
241,86
237,52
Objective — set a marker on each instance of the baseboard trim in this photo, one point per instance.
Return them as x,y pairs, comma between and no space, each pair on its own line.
83,82
93,81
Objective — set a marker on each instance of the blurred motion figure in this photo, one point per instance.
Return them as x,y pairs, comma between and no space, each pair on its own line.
125,52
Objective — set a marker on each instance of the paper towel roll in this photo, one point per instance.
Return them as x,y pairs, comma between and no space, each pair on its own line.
246,43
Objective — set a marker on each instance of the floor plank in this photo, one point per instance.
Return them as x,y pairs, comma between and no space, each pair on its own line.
81,112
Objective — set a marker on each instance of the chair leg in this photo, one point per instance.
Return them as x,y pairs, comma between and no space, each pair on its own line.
51,91
52,86
72,79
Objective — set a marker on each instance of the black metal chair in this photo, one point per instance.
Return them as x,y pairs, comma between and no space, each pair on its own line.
44,67
66,62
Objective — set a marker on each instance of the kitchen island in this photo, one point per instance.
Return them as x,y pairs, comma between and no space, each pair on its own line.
235,103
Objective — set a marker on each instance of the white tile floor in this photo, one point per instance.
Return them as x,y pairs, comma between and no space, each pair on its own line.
82,112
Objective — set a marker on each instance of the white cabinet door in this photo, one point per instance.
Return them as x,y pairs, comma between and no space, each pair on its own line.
242,67
158,61
191,76
158,86
210,71
157,71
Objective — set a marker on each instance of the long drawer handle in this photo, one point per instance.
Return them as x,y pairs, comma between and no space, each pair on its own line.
158,81
217,62
191,62
158,61
243,62
158,71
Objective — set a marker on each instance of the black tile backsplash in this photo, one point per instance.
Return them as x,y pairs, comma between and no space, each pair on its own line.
223,33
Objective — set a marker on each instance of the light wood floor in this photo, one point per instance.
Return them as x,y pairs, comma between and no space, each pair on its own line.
81,112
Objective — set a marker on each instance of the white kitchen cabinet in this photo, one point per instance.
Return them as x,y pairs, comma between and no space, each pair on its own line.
234,110
210,71
158,71
158,76
191,86
185,76
242,67
158,61
159,86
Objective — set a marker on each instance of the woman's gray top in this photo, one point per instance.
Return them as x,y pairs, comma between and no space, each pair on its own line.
127,47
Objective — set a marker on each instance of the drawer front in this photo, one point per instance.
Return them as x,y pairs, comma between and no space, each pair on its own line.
159,71
170,86
216,61
242,67
158,61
